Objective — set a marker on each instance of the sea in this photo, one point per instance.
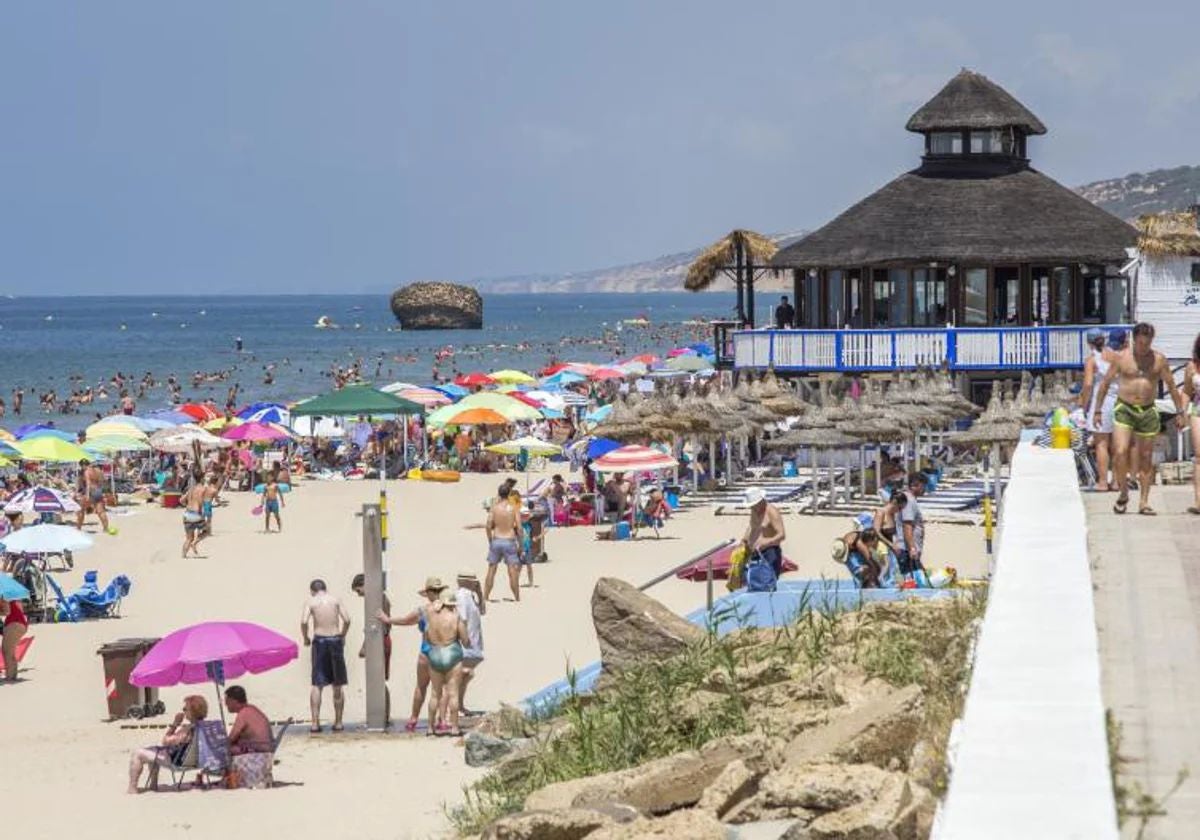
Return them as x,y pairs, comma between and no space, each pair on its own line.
66,343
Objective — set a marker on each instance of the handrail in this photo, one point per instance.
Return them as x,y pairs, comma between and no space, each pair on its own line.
709,575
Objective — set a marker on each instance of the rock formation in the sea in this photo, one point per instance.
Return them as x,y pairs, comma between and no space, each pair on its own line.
437,306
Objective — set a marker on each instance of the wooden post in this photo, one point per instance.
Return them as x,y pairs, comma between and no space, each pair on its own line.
376,688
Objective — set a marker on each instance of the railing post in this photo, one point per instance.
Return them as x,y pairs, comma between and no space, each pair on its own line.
892,335
771,349
1000,348
951,348
838,361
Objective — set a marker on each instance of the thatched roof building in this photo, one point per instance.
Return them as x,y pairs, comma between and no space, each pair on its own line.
973,236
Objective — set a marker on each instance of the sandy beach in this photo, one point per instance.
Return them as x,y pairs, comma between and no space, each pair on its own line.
58,749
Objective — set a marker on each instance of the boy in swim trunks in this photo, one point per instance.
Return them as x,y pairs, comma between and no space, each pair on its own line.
272,500
93,496
1138,370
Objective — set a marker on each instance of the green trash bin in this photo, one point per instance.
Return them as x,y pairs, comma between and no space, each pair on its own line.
126,700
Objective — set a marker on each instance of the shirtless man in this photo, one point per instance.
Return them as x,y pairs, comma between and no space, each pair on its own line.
765,533
272,499
193,518
1135,420
93,495
251,732
503,543
330,623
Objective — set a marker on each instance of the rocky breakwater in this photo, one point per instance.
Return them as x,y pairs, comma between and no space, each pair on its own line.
437,306
832,728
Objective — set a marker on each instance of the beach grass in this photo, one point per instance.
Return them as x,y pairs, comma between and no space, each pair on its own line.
650,711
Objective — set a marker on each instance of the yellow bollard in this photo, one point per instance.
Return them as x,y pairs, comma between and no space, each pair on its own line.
383,518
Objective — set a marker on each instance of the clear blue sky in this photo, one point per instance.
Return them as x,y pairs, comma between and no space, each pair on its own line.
298,146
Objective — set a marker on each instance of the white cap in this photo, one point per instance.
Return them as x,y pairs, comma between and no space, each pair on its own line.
755,495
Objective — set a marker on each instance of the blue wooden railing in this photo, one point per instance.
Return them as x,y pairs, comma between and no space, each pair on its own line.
965,348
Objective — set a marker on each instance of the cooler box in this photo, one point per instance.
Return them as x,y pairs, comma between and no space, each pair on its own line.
789,469
171,500
124,699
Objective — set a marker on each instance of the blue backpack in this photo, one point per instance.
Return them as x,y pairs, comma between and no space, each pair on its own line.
760,576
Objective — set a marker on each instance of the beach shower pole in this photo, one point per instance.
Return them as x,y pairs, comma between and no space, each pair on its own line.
376,688
816,484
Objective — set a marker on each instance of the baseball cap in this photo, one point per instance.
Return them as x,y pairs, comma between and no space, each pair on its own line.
1117,336
755,495
1093,334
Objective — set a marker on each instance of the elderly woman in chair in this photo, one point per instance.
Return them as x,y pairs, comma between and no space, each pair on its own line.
175,743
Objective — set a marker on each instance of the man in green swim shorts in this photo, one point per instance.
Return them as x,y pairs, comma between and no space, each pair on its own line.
1140,368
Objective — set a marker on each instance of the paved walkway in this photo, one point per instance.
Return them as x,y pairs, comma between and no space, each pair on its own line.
1147,576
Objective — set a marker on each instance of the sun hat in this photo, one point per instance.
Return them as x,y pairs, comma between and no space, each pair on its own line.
1093,334
755,495
432,584
449,598
838,551
467,576
1117,337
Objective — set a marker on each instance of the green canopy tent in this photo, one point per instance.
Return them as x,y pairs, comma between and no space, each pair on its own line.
355,400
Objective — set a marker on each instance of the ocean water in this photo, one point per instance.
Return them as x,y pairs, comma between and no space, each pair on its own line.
62,344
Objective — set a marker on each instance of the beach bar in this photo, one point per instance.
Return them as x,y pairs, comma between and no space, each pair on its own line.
973,261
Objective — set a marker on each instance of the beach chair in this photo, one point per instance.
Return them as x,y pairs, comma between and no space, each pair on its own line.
93,602
178,769
212,757
65,609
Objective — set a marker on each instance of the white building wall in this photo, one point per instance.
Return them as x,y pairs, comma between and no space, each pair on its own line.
1166,298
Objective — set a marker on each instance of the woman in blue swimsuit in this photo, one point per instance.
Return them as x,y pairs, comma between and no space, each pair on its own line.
446,633
433,588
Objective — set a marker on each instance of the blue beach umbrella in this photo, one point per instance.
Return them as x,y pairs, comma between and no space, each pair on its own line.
21,431
10,590
598,414
451,390
170,416
598,447
564,377
54,433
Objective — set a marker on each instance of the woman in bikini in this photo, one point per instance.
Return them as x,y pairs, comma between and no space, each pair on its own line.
447,635
1191,390
419,616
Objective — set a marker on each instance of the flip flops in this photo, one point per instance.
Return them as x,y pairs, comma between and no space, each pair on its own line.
1147,511
1120,504
411,726
1195,511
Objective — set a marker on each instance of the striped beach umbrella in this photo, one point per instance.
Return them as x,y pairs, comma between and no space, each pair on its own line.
199,412
634,459
427,397
40,500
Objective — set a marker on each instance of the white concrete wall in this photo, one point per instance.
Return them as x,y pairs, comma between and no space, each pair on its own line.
1031,756
1163,295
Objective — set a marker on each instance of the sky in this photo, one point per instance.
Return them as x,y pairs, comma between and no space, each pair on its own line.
304,147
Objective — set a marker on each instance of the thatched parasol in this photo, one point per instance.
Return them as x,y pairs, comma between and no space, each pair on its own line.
720,254
1169,234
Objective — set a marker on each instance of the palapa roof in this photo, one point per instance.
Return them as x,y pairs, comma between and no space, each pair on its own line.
937,213
971,100
720,254
1172,233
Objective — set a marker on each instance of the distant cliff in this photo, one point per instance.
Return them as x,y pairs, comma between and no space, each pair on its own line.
1127,197
1146,192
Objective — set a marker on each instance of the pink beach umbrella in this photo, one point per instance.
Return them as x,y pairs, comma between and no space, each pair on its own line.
256,432
213,650
634,459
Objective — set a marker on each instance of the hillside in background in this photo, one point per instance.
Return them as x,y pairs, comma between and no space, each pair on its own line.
1148,192
1127,197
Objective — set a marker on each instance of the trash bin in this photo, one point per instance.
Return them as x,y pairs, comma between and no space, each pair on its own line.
125,699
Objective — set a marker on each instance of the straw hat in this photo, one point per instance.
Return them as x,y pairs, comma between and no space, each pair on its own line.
837,550
432,584
755,495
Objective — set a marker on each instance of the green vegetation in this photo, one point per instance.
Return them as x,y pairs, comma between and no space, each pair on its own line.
1133,802
709,692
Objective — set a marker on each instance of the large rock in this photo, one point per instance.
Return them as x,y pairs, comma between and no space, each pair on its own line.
880,732
573,824
692,825
634,628
480,750
437,306
663,785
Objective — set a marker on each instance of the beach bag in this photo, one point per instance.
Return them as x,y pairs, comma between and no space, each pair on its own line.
737,569
943,577
760,576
